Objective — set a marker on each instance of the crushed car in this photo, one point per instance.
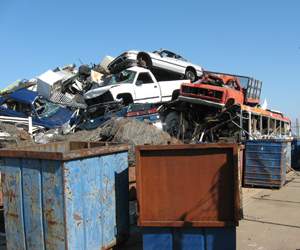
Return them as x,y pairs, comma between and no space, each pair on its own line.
25,103
141,111
159,59
134,85
222,90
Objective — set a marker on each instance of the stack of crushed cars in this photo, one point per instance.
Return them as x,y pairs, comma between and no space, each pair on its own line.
135,85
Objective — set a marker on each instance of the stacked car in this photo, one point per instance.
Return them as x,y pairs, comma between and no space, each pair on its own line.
160,87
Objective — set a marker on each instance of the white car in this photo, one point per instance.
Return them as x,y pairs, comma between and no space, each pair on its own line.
160,59
134,85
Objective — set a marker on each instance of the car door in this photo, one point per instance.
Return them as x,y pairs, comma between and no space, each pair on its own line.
167,60
146,89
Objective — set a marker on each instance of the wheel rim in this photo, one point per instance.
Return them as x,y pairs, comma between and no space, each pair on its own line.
190,75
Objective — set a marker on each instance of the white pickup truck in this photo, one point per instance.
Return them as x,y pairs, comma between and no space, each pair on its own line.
134,85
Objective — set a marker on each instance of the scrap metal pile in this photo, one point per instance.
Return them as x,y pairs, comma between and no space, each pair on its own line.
159,88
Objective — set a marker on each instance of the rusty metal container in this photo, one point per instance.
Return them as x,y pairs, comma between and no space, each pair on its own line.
188,185
266,163
69,195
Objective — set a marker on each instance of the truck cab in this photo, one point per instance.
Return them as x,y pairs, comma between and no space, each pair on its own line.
220,90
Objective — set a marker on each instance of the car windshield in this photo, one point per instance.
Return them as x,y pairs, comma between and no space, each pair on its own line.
44,108
126,76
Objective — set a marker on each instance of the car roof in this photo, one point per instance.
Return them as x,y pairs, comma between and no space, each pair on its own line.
24,95
138,69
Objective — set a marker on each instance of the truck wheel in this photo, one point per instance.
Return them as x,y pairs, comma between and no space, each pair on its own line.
190,74
175,95
172,122
127,99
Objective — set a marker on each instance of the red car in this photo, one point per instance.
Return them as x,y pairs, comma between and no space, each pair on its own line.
220,90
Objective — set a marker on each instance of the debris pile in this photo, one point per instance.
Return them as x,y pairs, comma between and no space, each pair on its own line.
104,101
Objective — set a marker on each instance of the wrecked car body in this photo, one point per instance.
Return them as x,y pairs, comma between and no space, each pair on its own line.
140,111
220,90
159,59
24,103
134,85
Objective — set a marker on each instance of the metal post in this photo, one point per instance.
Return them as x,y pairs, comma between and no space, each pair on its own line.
250,125
268,126
30,125
241,123
260,124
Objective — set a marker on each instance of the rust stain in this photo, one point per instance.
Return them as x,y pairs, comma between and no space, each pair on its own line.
10,195
51,222
12,215
77,218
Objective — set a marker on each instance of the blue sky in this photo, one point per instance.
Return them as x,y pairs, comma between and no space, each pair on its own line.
255,38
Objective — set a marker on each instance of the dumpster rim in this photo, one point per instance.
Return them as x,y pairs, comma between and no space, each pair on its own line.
103,149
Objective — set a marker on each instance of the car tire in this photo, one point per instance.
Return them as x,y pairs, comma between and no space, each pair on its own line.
175,125
172,123
191,75
144,62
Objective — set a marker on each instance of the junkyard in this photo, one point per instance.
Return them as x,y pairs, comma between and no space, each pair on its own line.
144,158
148,148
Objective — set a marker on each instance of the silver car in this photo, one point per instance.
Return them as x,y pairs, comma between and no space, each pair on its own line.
159,59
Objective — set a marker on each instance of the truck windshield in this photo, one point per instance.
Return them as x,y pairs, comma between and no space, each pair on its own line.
126,76
44,108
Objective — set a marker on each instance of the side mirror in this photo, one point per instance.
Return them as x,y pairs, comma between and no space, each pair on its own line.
139,83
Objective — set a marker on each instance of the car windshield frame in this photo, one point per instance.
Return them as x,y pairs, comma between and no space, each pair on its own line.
46,109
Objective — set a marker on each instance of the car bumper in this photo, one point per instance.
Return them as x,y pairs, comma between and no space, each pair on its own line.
201,101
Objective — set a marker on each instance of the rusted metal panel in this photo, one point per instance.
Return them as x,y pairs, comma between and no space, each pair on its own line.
241,151
63,151
66,204
266,163
12,197
53,204
32,203
188,185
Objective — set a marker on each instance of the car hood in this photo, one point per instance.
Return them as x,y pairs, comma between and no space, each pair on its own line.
62,116
98,91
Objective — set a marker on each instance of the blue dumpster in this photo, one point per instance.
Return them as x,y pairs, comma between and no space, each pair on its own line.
266,162
296,154
65,196
189,238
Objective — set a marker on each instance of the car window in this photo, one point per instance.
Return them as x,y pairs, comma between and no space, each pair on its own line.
166,53
144,78
44,108
232,84
126,76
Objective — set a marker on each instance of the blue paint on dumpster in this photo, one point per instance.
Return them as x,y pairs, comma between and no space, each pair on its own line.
296,154
67,201
266,163
159,238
